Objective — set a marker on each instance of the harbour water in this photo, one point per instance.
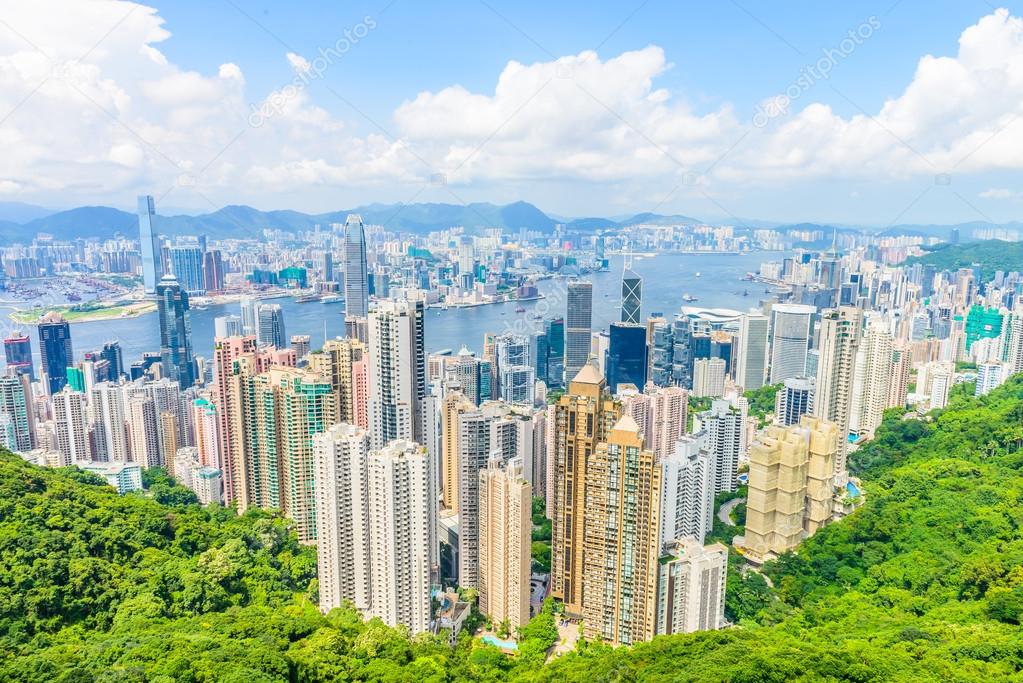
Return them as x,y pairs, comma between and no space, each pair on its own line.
666,279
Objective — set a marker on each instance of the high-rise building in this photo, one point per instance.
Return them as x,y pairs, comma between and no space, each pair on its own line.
793,400
578,327
453,406
71,427
143,432
582,419
55,350
902,363
555,333
790,339
790,485
225,396
227,326
301,343
751,361
270,326
687,492
108,423
505,529
356,285
186,262
515,371
621,538
342,517
213,270
205,422
691,587
18,353
626,356
725,436
708,377
632,297
16,404
397,373
175,332
111,353
661,412
840,334
874,374
989,377
249,308
400,520
152,270
346,364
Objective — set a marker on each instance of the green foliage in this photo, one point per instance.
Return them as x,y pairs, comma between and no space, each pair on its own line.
924,582
990,255
541,553
761,401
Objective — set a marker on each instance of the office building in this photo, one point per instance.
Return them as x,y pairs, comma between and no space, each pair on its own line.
227,326
790,339
16,404
632,297
400,521
18,353
301,343
691,587
186,263
341,456
626,360
55,350
793,400
621,538
505,528
578,327
270,326
751,355
397,372
356,281
515,370
71,427
175,332
152,264
708,377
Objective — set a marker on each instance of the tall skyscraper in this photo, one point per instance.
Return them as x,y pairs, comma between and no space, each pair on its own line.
71,427
578,327
108,423
55,350
175,332
626,356
840,334
111,353
356,282
401,517
515,370
621,538
152,269
504,543
397,374
691,587
213,270
793,400
874,374
583,418
790,339
725,433
751,361
143,432
902,363
18,353
226,398
687,492
708,377
186,263
632,297
342,517
16,404
270,326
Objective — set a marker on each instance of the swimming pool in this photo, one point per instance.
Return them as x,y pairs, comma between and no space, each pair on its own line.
503,644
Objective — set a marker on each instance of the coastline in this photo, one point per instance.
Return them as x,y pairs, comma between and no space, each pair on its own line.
134,309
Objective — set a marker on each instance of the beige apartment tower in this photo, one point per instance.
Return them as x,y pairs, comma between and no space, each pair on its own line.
505,528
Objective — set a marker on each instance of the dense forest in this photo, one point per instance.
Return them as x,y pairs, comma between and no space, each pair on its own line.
992,255
924,582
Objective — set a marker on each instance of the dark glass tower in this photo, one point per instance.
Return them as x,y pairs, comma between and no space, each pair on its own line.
55,350
626,356
175,332
632,297
18,353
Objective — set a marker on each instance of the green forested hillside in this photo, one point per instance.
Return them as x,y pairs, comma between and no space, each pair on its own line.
923,583
992,255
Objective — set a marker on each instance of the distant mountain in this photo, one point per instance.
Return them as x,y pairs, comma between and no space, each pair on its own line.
85,221
20,212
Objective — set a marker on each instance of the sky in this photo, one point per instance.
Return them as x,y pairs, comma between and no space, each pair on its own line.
859,113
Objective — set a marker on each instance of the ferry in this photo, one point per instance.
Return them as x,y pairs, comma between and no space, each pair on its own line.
331,298
689,297
307,298
520,309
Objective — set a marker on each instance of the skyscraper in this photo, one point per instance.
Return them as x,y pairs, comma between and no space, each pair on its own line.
152,270
401,517
578,327
186,263
227,326
504,543
356,285
687,492
18,353
108,422
793,400
874,372
632,297
751,361
583,418
175,332
626,356
342,516
621,539
70,427
270,326
397,374
691,587
16,404
725,433
55,350
111,353
346,364
790,339
832,399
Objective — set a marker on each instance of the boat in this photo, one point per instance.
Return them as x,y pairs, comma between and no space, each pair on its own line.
689,297
697,273
745,292
331,298
537,316
520,309
307,298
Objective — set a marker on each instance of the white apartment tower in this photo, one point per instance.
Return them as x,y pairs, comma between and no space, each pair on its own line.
397,372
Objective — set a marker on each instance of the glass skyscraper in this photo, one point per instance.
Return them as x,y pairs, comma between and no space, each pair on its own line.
354,254
175,332
626,356
578,327
151,264
55,350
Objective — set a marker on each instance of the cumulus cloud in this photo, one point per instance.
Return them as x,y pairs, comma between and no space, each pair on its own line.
95,110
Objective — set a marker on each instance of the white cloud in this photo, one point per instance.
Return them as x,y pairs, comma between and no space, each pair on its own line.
104,118
998,193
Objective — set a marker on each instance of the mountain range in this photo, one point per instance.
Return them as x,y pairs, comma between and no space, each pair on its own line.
21,222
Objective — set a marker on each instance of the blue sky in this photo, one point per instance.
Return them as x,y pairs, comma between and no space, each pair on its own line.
660,120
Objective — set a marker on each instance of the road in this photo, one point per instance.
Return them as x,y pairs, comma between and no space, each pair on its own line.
725,511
